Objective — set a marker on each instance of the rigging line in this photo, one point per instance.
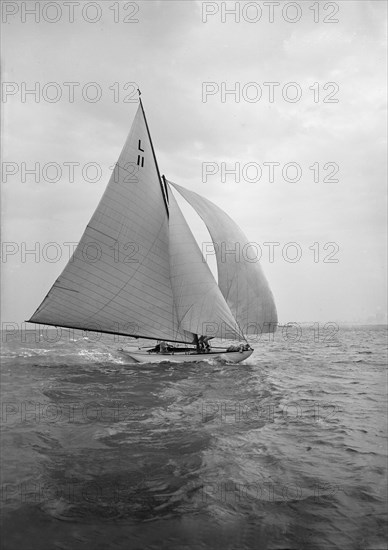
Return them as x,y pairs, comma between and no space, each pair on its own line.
153,152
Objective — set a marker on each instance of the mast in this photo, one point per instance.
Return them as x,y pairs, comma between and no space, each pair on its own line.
162,187
166,188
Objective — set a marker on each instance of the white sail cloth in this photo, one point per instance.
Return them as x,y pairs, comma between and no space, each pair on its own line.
240,279
118,279
200,305
137,269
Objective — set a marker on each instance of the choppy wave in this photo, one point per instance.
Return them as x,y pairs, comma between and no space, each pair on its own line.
286,450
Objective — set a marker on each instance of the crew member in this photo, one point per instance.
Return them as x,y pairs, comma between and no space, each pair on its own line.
204,345
163,347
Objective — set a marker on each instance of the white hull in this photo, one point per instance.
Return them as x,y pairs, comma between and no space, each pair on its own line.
144,357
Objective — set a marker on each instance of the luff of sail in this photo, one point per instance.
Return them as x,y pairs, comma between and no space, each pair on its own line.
118,279
200,305
242,282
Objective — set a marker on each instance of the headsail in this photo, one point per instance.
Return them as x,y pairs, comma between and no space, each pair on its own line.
242,282
118,279
200,305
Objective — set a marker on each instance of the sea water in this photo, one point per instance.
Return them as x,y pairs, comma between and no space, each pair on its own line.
284,451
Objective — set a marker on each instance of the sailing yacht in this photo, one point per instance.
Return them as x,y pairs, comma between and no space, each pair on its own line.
138,271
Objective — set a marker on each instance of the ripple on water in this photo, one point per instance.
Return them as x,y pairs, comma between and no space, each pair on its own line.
285,451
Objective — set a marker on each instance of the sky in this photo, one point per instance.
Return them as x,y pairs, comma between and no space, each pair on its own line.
326,116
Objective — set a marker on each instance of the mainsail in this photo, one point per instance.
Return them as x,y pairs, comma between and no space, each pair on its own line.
240,279
118,279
